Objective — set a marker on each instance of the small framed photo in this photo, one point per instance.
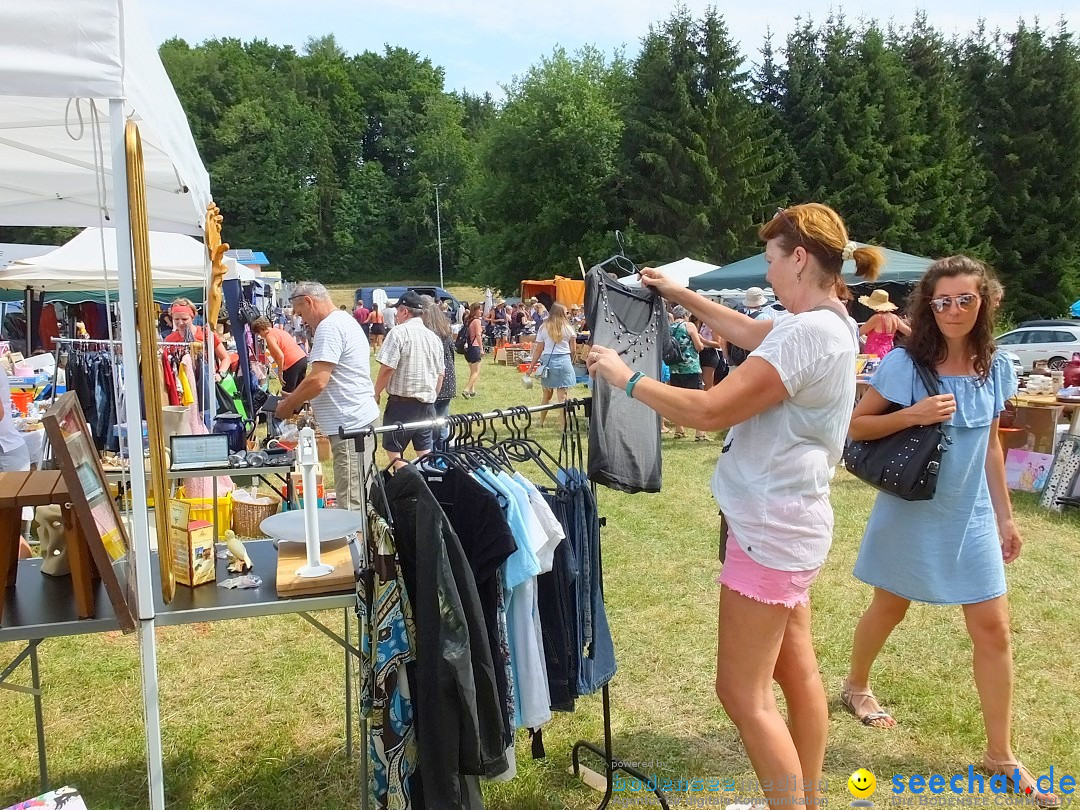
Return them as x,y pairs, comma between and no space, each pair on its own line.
75,454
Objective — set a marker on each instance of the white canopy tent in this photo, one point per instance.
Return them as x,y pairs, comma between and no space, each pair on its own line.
680,271
177,260
72,73
61,61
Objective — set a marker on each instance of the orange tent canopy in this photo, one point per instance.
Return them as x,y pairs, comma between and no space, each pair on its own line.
567,291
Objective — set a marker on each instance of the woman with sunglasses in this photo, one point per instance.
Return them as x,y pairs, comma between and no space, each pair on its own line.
788,406
952,549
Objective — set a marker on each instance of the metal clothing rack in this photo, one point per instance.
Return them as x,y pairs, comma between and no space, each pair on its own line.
606,754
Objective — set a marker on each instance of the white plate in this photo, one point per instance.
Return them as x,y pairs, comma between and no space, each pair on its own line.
333,523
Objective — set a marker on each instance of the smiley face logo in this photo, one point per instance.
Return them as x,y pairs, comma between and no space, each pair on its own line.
862,784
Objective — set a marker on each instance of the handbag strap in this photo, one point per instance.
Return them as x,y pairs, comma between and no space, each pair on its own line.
926,378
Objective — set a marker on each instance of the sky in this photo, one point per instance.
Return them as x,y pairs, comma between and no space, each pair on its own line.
483,44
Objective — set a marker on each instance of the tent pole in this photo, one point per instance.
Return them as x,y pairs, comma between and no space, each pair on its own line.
28,312
140,540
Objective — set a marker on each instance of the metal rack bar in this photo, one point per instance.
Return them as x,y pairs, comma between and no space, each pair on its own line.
605,753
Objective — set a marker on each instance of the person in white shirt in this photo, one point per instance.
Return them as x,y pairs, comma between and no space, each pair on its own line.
788,406
15,457
338,386
413,365
14,454
390,315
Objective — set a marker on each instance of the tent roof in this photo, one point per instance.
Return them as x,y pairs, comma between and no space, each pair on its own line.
176,260
681,271
750,272
60,63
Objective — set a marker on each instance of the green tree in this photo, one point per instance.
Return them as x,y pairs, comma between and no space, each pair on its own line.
1031,143
949,210
696,146
549,168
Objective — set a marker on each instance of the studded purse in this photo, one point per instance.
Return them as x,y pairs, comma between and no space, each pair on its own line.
905,463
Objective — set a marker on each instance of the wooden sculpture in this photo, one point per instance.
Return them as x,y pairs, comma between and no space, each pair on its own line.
216,248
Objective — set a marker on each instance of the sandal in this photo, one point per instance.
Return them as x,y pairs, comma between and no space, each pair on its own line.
872,717
1027,786
679,434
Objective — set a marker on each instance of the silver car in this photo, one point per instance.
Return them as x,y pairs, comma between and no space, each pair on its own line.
1051,341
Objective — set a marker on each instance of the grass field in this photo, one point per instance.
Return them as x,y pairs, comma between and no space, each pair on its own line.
252,713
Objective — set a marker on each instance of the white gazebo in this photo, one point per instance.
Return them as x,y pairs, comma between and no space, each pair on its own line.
72,73
680,271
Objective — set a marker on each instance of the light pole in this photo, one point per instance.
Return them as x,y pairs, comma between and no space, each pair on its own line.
438,229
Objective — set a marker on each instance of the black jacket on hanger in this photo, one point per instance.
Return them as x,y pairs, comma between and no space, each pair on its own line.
459,723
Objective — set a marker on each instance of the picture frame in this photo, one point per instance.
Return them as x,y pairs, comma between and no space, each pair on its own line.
75,454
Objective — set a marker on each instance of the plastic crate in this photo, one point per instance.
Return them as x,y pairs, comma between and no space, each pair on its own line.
203,509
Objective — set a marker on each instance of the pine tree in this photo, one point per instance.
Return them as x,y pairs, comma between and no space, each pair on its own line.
698,170
1032,144
949,214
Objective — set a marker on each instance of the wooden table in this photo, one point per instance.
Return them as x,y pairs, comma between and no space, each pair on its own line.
39,488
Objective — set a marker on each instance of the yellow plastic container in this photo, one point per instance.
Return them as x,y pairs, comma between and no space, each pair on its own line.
203,509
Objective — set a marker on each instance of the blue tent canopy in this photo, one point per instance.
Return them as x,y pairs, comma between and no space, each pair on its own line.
1075,310
750,272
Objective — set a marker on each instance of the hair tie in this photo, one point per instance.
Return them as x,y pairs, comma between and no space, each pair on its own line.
849,251
182,308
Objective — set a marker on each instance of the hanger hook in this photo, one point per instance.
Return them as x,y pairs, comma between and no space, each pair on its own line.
619,242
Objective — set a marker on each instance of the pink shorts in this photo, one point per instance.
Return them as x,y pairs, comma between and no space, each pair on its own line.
753,580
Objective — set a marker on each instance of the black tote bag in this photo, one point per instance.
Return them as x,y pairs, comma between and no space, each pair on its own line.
905,463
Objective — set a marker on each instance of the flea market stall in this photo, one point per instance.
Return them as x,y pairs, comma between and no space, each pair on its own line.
93,135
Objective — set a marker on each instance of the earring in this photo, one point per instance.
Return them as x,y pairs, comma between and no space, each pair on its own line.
798,277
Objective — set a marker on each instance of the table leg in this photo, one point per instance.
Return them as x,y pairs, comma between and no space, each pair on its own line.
82,572
348,690
39,716
10,530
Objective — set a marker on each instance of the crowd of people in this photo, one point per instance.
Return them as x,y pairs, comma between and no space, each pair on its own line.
779,380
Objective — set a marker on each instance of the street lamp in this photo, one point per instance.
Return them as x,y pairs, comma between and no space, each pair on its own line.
438,229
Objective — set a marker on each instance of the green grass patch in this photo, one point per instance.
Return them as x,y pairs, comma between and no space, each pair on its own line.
252,711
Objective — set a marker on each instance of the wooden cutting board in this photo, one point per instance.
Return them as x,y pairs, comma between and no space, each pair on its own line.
292,556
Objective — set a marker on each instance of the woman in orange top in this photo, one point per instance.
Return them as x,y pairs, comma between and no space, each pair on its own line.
287,353
377,323
183,317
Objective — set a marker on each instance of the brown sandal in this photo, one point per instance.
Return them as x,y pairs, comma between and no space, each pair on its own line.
848,696
1027,786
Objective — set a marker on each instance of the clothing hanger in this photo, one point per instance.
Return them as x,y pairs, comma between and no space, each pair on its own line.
619,260
522,448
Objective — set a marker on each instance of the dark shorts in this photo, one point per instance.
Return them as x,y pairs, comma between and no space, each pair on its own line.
378,328
473,354
400,409
710,358
691,381
291,377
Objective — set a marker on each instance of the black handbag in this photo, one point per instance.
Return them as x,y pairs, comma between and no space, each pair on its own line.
905,463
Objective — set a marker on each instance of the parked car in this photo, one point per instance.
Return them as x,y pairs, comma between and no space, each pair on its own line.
394,293
1052,341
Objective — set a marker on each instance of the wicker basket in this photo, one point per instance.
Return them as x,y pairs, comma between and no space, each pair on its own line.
246,517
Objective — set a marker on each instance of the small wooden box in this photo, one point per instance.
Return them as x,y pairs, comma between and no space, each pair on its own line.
193,546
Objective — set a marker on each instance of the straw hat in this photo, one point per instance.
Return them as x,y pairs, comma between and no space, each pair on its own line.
755,297
878,301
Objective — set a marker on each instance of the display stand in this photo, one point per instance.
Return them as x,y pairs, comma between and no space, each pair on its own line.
611,762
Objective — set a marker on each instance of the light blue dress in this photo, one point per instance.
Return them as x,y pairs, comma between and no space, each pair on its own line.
946,550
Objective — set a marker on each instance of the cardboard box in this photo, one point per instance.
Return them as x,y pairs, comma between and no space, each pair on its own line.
193,546
298,488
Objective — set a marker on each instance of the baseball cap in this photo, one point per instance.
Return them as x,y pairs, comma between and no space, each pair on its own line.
411,300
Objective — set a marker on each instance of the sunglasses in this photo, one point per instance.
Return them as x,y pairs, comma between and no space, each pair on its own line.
966,302
780,212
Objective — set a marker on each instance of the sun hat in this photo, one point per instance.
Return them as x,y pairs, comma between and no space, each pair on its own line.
878,301
755,297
